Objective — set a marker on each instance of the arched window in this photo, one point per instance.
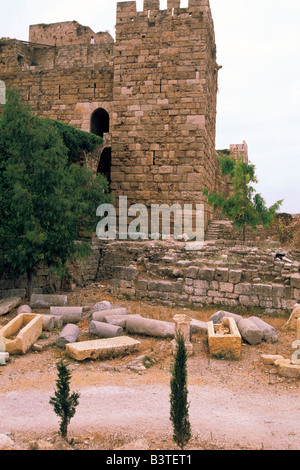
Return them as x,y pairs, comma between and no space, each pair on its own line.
100,122
2,92
104,165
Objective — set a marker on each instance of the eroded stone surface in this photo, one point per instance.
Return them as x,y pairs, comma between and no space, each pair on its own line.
102,348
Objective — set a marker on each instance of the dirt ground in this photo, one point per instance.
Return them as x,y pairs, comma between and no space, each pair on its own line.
233,404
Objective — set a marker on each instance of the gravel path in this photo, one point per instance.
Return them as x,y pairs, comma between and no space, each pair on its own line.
256,420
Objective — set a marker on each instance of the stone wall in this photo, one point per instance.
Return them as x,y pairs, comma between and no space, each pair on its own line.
221,273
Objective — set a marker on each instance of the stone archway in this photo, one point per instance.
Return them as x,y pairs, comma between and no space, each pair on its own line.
104,166
100,122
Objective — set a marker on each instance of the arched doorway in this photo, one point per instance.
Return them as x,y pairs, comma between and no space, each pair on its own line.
100,122
104,166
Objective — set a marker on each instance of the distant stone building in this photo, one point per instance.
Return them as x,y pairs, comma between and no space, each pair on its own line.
151,94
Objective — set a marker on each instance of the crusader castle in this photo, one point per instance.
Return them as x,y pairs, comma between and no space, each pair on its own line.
151,94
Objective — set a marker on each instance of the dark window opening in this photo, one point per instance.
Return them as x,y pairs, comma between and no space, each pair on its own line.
104,166
100,122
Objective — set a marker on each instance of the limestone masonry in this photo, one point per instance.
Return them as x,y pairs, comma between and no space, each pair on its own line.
150,93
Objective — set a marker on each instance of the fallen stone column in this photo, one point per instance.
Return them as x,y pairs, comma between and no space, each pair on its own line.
269,333
99,315
104,330
251,333
47,300
48,322
198,326
103,305
68,314
119,320
69,334
150,327
218,316
24,309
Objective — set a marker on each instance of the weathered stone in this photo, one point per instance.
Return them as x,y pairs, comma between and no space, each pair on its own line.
198,326
47,300
6,442
69,334
291,324
251,333
224,345
103,305
269,359
21,332
24,309
68,314
182,327
99,315
218,316
118,320
9,304
295,280
150,327
102,348
48,322
287,369
270,334
104,330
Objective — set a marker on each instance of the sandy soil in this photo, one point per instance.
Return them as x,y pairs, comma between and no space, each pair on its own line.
233,404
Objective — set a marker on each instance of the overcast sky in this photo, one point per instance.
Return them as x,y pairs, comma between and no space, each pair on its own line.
258,45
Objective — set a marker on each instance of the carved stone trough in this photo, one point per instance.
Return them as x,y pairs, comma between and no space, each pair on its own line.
224,339
21,333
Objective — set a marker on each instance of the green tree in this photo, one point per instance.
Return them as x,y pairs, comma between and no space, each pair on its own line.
44,201
63,402
244,207
179,411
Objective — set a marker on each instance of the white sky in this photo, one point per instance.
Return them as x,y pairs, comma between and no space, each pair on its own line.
258,45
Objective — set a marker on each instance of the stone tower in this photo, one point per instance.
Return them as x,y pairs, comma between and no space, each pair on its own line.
164,114
151,94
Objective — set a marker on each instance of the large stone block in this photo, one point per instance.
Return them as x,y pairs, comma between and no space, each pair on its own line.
102,348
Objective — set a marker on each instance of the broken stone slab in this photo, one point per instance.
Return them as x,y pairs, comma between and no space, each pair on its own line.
99,315
47,300
6,442
6,305
150,327
68,314
251,333
69,334
270,334
287,369
119,320
21,332
104,330
269,359
102,348
103,305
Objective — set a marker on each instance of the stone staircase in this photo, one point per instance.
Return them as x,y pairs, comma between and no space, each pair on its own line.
215,229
